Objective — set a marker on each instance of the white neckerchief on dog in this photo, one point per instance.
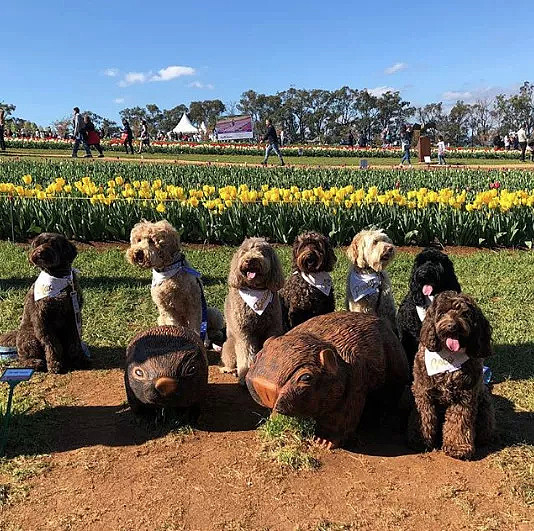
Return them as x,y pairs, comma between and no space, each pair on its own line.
444,361
256,299
364,284
322,280
158,277
48,286
421,310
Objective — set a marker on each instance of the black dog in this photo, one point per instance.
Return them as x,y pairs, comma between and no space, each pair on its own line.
49,337
432,273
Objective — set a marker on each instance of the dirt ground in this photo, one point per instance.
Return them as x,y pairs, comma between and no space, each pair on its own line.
105,473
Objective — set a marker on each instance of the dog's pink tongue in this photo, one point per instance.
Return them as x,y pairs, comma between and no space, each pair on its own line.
251,275
427,290
453,344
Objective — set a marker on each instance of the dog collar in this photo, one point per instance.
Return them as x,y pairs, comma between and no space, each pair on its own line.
256,299
48,286
158,277
364,284
321,280
444,361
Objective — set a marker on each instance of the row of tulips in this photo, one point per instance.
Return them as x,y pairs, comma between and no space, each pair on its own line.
307,150
92,210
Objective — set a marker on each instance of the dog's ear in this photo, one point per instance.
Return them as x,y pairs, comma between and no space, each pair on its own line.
233,275
452,282
275,281
295,249
330,255
355,251
428,336
70,250
479,343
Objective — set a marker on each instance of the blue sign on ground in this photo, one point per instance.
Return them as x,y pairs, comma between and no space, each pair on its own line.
16,375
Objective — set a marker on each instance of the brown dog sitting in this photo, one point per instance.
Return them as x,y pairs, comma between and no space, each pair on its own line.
49,337
326,368
252,308
309,291
452,402
176,287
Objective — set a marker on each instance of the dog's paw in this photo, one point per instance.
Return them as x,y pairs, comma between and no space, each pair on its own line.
460,451
327,444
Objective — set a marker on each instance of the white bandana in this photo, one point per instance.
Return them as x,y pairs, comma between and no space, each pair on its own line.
322,280
158,277
421,310
444,361
256,299
363,284
48,286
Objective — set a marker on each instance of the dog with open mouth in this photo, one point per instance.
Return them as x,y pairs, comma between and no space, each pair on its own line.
309,291
452,404
432,273
49,336
368,284
252,308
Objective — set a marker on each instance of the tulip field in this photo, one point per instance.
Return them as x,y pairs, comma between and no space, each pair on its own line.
292,150
102,200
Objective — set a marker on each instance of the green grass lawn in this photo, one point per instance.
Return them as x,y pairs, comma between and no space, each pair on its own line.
256,159
118,305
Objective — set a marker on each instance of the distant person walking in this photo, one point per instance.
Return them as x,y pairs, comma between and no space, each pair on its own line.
441,150
145,137
351,138
78,133
127,136
281,137
406,143
2,127
522,139
506,142
92,137
272,142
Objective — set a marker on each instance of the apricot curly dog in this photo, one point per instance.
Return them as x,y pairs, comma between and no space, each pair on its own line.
252,308
176,288
368,284
309,291
452,402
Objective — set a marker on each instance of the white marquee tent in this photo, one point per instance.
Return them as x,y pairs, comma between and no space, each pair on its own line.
185,126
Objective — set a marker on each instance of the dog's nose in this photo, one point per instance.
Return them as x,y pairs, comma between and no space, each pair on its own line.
166,386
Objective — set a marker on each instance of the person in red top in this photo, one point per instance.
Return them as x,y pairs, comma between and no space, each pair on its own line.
91,136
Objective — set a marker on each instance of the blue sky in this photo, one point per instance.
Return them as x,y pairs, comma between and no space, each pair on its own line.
104,56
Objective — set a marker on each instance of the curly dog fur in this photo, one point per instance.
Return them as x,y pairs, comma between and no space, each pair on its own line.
455,407
178,298
255,266
432,272
312,253
370,252
48,338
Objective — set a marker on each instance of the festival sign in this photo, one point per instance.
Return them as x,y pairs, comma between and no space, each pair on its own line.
234,128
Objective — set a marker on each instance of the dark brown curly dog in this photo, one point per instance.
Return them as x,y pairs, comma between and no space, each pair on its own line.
309,291
48,337
451,399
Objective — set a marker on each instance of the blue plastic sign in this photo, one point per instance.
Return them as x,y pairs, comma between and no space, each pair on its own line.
16,375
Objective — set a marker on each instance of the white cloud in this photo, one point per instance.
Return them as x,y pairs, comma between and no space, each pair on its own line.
111,72
453,95
172,72
200,85
165,74
118,100
397,67
380,91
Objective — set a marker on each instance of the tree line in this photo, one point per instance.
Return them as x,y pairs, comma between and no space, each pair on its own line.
327,116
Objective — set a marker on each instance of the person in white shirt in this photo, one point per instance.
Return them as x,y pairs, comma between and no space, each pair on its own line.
522,139
441,150
506,142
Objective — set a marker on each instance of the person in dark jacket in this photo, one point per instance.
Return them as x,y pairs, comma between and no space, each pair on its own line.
78,134
127,136
91,136
272,143
406,143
